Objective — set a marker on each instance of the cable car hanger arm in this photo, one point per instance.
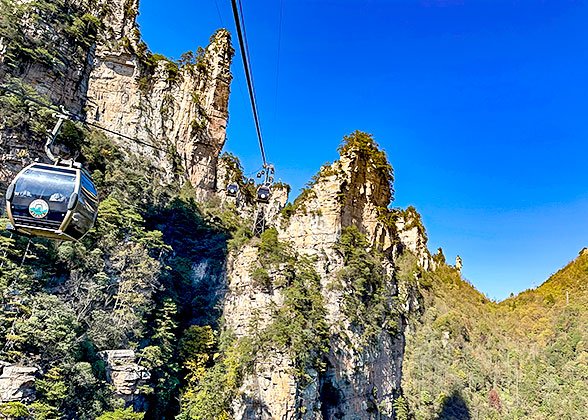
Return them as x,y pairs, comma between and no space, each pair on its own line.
61,117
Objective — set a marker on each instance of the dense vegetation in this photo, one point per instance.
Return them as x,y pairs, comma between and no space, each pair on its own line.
365,287
298,327
364,145
524,358
128,284
71,23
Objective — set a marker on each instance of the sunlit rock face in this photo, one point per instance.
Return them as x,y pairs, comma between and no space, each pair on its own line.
17,383
126,376
358,381
180,109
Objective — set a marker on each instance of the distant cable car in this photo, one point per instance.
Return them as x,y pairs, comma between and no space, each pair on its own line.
263,194
52,201
232,190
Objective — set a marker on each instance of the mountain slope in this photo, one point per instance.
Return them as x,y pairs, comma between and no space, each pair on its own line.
522,358
170,308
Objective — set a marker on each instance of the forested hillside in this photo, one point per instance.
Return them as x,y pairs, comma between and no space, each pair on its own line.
128,284
136,281
523,358
170,308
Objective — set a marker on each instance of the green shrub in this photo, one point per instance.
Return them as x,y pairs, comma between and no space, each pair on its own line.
367,301
364,145
261,278
120,414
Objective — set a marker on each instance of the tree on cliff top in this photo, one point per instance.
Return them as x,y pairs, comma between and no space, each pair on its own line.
365,146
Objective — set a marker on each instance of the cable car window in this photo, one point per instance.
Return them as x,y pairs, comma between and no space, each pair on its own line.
87,184
54,188
51,168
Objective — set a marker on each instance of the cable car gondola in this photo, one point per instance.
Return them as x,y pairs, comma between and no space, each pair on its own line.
232,190
52,201
263,194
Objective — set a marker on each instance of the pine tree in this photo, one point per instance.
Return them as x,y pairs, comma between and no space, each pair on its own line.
400,408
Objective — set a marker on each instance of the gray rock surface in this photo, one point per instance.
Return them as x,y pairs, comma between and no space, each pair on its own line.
126,376
17,383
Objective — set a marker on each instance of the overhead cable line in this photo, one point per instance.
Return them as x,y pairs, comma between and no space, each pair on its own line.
220,17
250,67
278,59
246,65
76,117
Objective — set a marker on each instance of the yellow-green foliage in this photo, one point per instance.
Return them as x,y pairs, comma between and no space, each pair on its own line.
216,371
14,410
529,349
400,408
120,414
365,146
531,315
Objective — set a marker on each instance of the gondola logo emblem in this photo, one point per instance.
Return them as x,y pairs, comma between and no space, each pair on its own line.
38,208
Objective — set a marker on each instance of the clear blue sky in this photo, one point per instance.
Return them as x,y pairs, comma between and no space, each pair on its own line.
481,106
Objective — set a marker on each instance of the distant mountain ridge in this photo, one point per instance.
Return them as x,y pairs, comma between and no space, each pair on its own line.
523,358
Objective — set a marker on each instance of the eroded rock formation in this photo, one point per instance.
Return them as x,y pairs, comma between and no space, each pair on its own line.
181,108
126,376
360,380
17,383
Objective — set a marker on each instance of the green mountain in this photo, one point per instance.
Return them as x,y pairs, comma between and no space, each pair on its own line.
523,358
171,307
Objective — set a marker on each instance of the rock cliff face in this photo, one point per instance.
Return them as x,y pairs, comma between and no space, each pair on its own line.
181,108
61,72
360,381
125,375
17,383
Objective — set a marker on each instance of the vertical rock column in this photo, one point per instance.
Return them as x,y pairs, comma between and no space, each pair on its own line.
181,109
361,380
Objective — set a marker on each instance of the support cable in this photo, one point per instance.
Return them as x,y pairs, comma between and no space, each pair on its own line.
244,56
250,68
76,117
220,17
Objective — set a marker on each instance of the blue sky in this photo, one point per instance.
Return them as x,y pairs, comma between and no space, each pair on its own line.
480,104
